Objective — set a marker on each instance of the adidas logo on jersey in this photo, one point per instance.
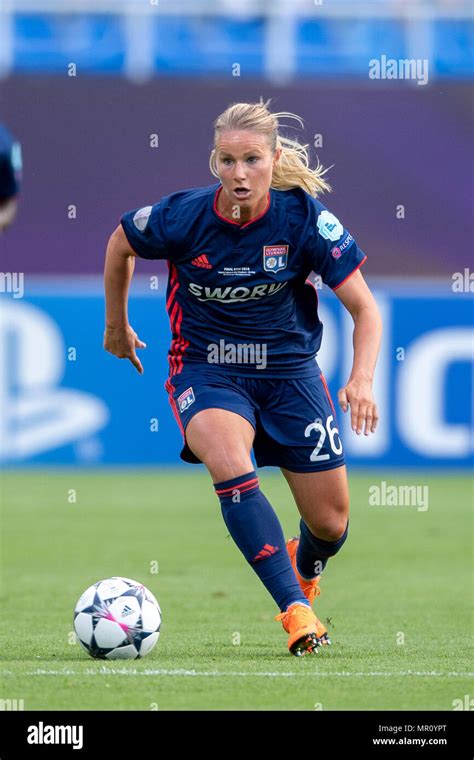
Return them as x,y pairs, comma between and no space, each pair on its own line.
202,261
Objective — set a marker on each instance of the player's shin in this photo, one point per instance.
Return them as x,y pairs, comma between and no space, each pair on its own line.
255,528
313,552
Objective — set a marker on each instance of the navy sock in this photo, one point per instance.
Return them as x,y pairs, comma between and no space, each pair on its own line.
313,553
255,528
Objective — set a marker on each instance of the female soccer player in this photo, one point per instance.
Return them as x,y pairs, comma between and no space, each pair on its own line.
245,334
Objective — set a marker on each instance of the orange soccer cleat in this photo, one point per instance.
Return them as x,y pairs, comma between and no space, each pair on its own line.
309,588
300,622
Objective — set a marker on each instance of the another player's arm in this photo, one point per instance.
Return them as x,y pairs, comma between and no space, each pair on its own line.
119,337
359,301
8,209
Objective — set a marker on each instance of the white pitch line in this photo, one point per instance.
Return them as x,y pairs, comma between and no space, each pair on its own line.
237,674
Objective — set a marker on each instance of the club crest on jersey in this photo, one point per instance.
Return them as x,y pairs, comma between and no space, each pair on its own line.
275,257
186,399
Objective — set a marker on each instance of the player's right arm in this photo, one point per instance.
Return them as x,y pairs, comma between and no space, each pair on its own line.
120,339
8,209
142,232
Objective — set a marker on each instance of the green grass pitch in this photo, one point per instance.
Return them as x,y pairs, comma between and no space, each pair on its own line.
397,597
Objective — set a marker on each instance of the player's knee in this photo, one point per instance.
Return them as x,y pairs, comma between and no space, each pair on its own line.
335,530
330,527
224,465
222,441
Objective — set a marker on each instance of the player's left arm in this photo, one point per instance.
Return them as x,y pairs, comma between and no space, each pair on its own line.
357,393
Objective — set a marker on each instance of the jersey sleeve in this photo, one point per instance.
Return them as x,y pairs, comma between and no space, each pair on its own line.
332,251
146,230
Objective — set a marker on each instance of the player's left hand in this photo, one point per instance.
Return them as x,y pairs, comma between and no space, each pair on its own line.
358,395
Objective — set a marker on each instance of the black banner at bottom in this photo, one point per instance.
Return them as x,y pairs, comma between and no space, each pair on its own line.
378,734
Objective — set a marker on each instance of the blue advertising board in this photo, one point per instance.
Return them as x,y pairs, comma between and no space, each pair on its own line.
66,401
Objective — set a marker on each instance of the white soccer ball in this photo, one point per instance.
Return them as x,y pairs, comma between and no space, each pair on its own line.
117,619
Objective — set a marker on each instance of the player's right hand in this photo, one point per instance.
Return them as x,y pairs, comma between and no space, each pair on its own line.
123,342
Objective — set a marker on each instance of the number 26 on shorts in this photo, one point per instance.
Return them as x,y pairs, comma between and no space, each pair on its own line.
334,439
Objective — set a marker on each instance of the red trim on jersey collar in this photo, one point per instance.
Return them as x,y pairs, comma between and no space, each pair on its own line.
230,221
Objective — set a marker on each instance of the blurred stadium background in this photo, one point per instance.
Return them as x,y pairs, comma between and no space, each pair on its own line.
88,86
113,103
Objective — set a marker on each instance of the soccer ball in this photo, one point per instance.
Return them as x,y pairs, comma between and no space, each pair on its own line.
117,619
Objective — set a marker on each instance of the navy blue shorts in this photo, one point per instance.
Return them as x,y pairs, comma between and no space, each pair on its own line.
294,419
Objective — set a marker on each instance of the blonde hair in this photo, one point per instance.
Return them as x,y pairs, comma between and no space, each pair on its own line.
292,169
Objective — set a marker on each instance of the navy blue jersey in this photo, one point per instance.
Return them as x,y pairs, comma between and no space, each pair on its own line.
237,295
10,164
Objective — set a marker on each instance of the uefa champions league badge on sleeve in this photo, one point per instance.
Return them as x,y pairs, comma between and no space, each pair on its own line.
141,217
186,399
338,250
275,257
329,226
